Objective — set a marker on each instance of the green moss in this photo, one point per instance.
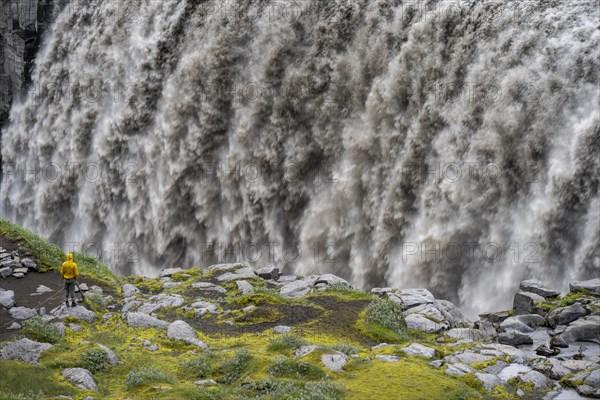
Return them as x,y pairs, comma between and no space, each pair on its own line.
30,381
519,384
150,285
257,299
39,329
472,381
233,369
285,343
146,375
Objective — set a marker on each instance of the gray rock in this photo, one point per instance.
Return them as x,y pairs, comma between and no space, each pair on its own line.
298,288
148,345
282,329
489,381
112,357
456,317
167,272
287,278
20,271
141,320
204,382
7,298
526,303
129,290
330,279
244,286
5,271
159,301
14,326
387,358
458,369
224,267
514,324
242,273
593,379
269,272
593,285
416,349
588,391
28,263
10,263
76,328
181,330
78,312
531,320
419,323
80,377
470,335
514,338
495,317
18,275
539,380
468,357
582,329
170,285
334,362
208,287
413,297
537,287
565,315
436,364
381,291
25,350
43,289
305,350
202,307
22,313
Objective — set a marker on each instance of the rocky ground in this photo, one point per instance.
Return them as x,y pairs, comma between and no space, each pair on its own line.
231,332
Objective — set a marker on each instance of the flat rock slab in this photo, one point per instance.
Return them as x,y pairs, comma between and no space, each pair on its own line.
416,349
242,273
536,286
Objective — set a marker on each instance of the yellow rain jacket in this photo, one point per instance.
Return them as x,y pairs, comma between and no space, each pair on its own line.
69,268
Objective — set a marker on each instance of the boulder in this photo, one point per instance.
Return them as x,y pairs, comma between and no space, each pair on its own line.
129,290
593,285
537,287
268,272
416,349
582,329
141,320
514,338
25,350
76,328
287,278
413,297
181,330
531,320
330,279
209,287
159,301
244,286
459,369
305,350
468,357
14,326
467,334
526,303
454,315
514,324
7,298
282,329
495,317
18,275
565,315
78,312
202,307
334,362
22,313
242,273
167,272
489,381
204,382
148,345
29,263
298,288
80,377
419,323
539,380
5,271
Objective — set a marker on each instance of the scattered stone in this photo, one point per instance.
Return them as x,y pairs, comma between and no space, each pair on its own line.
544,350
129,290
459,369
526,303
514,324
112,357
537,287
282,329
148,345
593,285
419,323
495,317
205,382
22,313
170,285
20,271
7,298
81,287
141,320
14,326
334,362
25,350
181,330
298,288
416,349
80,377
244,286
28,263
269,272
380,346
18,275
242,273
159,301
5,271
582,329
203,307
387,358
207,286
468,357
305,350
78,312
539,380
437,364
469,335
514,338
43,289
249,308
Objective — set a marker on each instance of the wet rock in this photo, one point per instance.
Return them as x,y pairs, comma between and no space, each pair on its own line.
416,349
25,350
593,285
544,350
495,317
80,377
526,303
537,287
181,330
514,338
269,272
565,315
531,320
7,298
334,362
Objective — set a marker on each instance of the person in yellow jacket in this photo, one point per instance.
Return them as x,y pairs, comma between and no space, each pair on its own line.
69,273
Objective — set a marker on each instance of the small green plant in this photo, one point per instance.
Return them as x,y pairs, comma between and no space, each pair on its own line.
283,367
95,360
323,390
198,367
286,342
42,330
95,302
345,348
233,368
388,314
342,288
144,375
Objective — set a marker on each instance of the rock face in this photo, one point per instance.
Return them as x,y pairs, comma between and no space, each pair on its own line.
25,350
80,377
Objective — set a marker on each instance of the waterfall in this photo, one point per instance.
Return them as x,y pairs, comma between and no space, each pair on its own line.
453,145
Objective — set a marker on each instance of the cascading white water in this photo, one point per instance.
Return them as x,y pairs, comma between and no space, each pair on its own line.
452,145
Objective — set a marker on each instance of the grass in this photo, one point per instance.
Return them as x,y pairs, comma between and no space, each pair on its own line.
283,367
198,367
27,381
285,343
42,331
145,375
95,360
233,368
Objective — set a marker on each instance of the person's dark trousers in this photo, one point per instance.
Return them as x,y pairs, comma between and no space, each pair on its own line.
70,291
